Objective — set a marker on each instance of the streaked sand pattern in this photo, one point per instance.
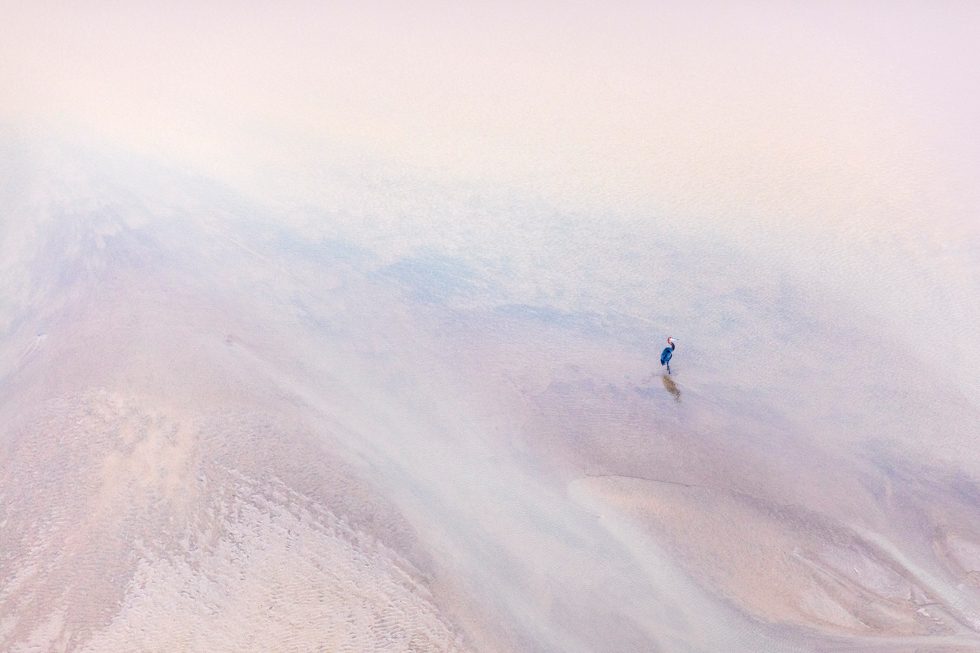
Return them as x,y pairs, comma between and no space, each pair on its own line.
329,329
221,436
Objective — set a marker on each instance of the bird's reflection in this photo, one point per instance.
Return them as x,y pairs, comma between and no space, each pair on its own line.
671,387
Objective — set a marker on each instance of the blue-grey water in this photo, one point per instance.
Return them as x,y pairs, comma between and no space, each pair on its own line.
438,422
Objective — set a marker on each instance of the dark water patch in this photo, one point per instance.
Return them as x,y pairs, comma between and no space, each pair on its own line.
584,323
433,278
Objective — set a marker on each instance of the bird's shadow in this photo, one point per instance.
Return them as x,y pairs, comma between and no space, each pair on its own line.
671,387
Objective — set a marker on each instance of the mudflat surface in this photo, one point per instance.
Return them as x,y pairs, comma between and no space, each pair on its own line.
220,433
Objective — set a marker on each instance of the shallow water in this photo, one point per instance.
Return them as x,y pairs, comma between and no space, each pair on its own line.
223,430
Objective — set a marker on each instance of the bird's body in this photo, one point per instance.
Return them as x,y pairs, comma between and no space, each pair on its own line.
667,353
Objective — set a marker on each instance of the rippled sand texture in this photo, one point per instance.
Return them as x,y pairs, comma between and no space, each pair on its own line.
218,434
152,540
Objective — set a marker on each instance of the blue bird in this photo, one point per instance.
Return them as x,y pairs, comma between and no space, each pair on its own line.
666,354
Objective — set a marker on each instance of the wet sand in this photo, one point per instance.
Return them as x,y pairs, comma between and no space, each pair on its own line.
215,438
